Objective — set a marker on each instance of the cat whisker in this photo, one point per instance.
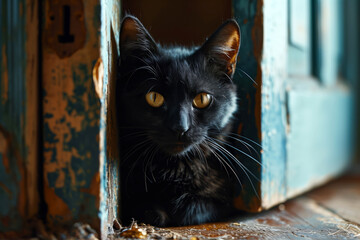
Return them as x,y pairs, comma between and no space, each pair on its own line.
227,76
201,155
146,162
135,163
246,138
133,150
152,56
132,135
156,149
225,152
248,76
247,145
219,132
148,68
142,60
209,145
231,146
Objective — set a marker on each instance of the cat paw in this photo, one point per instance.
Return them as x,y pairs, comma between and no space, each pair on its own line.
157,217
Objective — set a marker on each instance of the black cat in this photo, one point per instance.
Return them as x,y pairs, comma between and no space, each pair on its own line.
174,106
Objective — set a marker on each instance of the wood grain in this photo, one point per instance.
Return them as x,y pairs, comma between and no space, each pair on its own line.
316,215
109,159
19,79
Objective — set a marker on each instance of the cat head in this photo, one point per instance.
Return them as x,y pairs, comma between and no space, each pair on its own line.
177,97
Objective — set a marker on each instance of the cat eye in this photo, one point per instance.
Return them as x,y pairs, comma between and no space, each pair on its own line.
202,100
154,99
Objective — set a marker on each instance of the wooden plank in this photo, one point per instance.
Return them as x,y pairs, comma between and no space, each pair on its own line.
273,114
109,159
314,216
341,197
319,142
31,133
301,218
70,114
248,78
19,160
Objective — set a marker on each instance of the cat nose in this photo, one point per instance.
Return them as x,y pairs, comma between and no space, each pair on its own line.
180,130
181,124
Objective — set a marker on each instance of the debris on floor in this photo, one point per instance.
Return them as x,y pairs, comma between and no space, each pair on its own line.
78,231
141,231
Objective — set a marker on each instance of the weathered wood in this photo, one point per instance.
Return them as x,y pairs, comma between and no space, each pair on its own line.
319,141
109,160
319,109
70,114
341,197
315,216
31,133
306,127
302,218
248,78
19,81
300,36
273,114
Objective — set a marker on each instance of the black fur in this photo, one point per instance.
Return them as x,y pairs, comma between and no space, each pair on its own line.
163,182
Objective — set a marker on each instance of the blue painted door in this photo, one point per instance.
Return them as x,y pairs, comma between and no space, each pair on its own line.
319,103
294,49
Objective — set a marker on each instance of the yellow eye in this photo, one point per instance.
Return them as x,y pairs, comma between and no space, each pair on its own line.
154,99
202,100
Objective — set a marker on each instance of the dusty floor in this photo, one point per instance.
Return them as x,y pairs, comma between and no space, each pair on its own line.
330,212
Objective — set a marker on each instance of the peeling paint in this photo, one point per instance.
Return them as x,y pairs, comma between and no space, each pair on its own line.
71,129
109,162
274,70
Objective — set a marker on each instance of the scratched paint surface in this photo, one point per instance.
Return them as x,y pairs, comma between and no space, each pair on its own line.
273,116
320,112
13,149
71,113
109,161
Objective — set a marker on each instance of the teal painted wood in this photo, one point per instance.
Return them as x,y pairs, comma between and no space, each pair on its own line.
329,39
320,113
273,112
299,50
263,55
289,105
319,143
13,104
109,162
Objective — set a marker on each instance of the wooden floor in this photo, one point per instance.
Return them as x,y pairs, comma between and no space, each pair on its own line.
330,212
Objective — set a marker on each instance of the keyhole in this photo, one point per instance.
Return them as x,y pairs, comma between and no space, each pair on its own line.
66,37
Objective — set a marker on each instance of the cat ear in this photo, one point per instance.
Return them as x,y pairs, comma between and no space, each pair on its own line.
134,38
223,46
